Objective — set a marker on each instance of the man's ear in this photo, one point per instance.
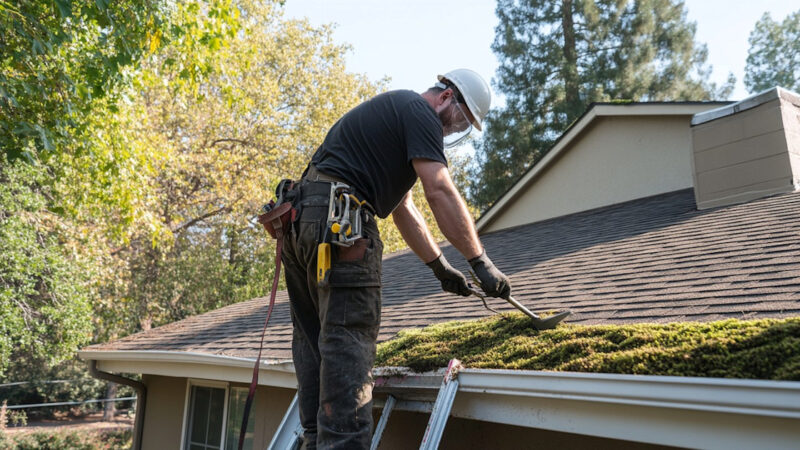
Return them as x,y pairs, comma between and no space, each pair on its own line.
442,97
447,93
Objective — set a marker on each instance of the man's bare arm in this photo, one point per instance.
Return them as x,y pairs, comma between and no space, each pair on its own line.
415,232
412,226
448,207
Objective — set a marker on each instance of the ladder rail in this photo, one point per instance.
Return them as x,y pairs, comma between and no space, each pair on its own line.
442,407
289,434
387,411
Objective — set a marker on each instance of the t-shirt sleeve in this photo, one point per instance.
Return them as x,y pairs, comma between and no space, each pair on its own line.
423,132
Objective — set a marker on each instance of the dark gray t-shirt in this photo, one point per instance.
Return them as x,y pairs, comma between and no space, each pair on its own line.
371,147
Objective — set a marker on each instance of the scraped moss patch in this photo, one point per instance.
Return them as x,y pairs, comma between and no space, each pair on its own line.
754,349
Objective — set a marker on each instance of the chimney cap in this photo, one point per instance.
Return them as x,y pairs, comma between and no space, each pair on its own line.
745,104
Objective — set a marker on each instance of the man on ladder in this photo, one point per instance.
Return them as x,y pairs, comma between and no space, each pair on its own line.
366,166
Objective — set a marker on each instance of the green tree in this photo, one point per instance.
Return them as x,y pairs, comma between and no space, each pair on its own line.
44,289
66,71
58,58
558,57
774,55
219,144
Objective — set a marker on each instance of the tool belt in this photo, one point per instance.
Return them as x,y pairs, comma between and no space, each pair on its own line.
347,209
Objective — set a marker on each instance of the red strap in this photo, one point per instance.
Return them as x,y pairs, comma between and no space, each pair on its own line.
254,383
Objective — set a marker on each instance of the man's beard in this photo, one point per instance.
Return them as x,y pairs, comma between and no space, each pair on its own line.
446,117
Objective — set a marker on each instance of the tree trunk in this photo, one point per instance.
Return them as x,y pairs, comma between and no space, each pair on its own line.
110,408
570,62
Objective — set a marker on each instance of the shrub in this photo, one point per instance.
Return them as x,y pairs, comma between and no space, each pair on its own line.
73,440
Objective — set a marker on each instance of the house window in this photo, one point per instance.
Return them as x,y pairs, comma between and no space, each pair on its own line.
215,411
238,397
206,414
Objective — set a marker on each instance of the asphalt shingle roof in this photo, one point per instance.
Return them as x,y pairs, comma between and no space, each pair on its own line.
656,259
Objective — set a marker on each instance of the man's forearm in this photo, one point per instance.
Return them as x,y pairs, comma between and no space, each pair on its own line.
454,219
415,232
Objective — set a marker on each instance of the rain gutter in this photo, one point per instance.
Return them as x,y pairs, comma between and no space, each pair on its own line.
677,411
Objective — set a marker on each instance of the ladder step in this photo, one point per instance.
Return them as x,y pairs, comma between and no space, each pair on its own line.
442,407
387,411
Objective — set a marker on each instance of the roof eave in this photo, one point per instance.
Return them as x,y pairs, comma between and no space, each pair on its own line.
279,373
677,411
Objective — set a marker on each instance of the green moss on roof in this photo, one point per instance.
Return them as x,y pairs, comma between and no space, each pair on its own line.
753,349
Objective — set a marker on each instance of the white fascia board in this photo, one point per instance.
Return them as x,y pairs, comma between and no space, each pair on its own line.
601,110
279,373
678,411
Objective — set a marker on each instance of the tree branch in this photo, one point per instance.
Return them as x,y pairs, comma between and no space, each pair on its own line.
205,216
237,141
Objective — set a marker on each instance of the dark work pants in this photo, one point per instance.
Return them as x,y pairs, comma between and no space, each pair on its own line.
335,330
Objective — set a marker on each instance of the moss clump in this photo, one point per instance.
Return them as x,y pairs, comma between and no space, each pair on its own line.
755,349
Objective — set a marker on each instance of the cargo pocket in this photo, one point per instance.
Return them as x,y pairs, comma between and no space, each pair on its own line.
355,285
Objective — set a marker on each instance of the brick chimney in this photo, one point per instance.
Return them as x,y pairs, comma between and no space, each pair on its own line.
747,150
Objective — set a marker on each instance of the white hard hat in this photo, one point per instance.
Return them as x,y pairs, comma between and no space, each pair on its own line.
474,90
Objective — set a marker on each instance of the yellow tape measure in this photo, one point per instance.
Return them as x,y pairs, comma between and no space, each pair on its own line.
323,260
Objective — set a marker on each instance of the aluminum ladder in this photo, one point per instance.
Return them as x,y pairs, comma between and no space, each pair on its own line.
289,435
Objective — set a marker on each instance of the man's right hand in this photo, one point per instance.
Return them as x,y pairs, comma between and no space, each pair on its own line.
452,279
493,282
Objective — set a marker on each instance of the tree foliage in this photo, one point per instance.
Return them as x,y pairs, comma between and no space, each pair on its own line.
159,130
44,290
258,110
774,55
558,57
58,58
63,65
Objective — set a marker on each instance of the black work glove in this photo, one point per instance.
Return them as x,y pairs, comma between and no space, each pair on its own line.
493,282
452,279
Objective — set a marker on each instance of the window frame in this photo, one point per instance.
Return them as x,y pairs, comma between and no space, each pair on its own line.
191,382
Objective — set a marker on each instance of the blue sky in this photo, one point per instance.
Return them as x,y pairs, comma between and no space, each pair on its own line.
411,41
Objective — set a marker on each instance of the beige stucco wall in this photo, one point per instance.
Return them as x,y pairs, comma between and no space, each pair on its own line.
270,406
163,418
615,160
166,400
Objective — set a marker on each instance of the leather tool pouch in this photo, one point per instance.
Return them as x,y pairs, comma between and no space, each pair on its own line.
353,253
277,220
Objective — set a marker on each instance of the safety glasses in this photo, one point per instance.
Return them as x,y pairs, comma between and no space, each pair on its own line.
458,126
